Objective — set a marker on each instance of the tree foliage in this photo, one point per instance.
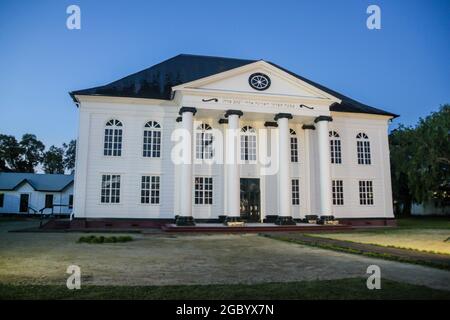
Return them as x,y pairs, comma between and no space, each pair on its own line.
69,155
420,160
32,152
10,153
27,154
53,161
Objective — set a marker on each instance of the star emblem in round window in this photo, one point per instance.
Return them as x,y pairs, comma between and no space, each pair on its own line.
259,81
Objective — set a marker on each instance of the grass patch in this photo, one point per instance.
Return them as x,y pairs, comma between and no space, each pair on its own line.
424,223
429,235
345,249
354,288
102,239
411,240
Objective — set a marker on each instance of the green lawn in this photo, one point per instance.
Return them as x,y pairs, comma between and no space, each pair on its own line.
354,288
424,223
422,234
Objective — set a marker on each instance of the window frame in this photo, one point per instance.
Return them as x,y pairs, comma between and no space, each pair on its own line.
337,192
295,191
366,194
294,143
151,146
117,192
2,199
150,190
335,147
200,194
363,149
245,144
203,150
114,125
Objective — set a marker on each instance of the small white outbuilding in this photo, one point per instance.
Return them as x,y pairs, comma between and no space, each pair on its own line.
30,193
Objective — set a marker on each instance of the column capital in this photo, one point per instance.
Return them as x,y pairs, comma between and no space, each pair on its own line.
323,118
235,112
270,124
283,115
187,109
308,127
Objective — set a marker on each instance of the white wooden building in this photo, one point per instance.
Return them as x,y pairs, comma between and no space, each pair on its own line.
29,193
256,141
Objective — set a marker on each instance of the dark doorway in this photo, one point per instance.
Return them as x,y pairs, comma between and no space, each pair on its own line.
49,201
250,200
24,198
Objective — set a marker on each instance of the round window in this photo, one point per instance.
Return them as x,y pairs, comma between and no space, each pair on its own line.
259,81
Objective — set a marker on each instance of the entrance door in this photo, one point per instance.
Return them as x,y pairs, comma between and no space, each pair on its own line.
250,200
24,198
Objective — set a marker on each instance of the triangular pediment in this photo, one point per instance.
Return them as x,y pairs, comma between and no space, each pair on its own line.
238,80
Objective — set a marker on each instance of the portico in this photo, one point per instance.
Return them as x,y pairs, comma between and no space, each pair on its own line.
231,119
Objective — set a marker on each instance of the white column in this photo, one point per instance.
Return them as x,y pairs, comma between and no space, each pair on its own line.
324,164
307,168
284,176
225,172
232,163
185,218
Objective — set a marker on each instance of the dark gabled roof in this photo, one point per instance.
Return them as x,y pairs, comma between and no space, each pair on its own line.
157,81
39,182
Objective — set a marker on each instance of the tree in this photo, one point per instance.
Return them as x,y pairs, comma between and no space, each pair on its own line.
69,155
10,154
401,141
420,160
53,161
32,152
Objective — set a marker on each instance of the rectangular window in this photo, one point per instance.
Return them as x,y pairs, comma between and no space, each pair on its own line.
335,146
338,192
110,188
366,192
294,149
295,192
150,189
203,190
2,200
152,143
204,145
71,201
113,142
248,147
363,147
48,200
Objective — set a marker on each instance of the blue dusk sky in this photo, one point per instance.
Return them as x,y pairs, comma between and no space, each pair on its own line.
403,68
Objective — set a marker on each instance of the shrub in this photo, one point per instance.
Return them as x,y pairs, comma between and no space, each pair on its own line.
103,239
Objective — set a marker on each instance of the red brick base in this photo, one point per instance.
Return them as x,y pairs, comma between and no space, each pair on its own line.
368,222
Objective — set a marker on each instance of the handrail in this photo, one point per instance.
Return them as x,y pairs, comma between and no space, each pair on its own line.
43,214
33,209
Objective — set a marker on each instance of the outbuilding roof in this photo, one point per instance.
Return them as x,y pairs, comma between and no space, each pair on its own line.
157,81
39,182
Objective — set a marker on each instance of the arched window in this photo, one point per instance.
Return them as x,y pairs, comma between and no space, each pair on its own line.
335,147
113,138
363,148
248,143
152,140
204,142
294,146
